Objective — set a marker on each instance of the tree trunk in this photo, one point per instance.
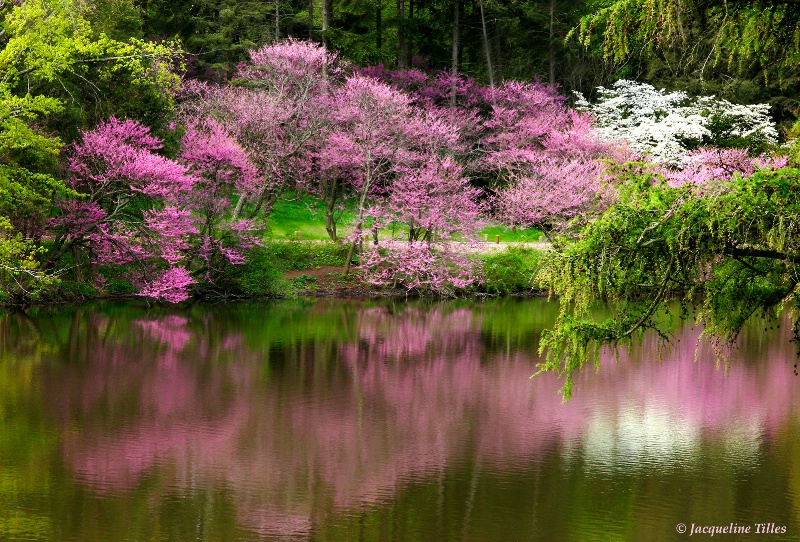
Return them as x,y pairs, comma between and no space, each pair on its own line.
454,59
327,17
76,257
330,225
551,50
330,213
486,50
238,209
409,35
361,208
277,20
311,20
402,61
379,26
498,57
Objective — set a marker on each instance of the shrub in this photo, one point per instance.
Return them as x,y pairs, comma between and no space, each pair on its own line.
512,271
297,255
421,268
259,276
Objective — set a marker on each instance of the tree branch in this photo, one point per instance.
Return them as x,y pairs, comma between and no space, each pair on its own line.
747,252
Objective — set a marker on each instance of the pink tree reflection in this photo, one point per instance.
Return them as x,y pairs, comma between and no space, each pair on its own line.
299,428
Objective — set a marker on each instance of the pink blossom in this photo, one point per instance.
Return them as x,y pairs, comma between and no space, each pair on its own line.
145,212
170,286
420,267
706,164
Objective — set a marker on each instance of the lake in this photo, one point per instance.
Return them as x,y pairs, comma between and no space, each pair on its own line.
336,420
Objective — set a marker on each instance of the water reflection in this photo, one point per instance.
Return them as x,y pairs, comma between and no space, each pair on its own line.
284,421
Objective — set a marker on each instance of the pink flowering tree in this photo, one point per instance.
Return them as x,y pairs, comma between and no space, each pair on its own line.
441,89
433,206
333,174
376,129
158,220
546,159
396,161
371,138
706,164
278,107
223,174
119,176
433,203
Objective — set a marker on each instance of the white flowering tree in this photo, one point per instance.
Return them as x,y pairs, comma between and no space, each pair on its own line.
665,126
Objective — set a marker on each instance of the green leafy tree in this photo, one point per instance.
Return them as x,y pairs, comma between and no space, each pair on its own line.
56,74
727,249
50,48
25,191
764,30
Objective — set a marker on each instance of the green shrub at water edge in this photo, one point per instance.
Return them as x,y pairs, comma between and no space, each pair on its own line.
298,255
259,276
262,274
513,270
67,291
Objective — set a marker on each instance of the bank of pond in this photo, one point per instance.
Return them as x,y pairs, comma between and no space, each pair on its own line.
331,419
289,269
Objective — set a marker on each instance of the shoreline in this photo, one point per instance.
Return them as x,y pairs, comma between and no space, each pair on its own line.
504,276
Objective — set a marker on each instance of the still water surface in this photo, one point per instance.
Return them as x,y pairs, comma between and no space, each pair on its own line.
353,421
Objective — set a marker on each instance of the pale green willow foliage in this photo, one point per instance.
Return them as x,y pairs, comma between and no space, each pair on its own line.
726,250
743,31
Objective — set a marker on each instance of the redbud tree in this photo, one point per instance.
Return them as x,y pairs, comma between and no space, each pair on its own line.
546,160
543,161
278,105
437,209
163,223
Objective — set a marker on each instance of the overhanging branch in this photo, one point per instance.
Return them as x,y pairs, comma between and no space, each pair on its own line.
738,252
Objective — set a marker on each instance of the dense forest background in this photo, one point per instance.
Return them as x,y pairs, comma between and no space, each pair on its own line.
740,50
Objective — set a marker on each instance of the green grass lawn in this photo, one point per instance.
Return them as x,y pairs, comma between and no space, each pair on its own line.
508,236
307,215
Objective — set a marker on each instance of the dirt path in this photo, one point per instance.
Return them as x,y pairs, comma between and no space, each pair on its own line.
329,280
478,248
488,247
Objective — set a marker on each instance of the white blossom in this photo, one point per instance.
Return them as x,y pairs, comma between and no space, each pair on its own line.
665,125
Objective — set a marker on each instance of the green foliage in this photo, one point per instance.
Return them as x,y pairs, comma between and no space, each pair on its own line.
20,276
26,156
69,291
223,33
51,49
119,287
357,35
260,276
304,281
297,255
623,26
730,249
513,270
